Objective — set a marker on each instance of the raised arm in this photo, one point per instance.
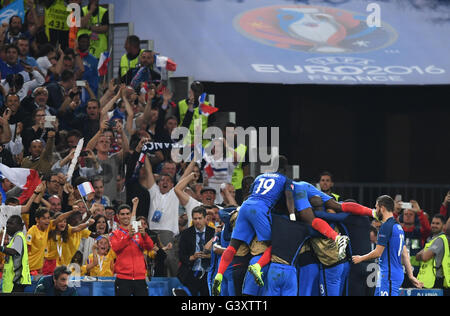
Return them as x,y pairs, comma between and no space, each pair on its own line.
48,151
130,112
150,177
124,151
83,226
63,216
108,106
6,135
37,193
183,197
135,202
94,140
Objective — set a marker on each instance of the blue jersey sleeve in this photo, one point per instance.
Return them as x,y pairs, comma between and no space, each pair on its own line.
332,217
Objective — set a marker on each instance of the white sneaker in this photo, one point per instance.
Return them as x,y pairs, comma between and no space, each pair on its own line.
341,243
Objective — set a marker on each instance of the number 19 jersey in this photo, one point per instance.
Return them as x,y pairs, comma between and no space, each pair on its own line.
255,213
269,187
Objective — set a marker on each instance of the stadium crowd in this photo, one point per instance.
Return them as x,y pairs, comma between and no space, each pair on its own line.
147,215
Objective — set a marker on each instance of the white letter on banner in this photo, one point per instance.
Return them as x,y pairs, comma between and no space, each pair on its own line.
76,10
264,68
175,153
374,19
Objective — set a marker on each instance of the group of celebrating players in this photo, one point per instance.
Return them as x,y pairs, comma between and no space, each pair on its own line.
272,226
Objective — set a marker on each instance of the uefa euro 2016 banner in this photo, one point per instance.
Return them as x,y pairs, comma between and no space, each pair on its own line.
298,42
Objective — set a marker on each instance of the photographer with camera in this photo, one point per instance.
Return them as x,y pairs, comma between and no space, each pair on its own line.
129,242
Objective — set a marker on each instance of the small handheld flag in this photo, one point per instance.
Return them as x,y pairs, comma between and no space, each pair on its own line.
165,62
85,188
105,58
205,109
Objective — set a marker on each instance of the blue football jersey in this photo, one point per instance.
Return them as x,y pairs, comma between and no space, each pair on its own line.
392,237
303,191
269,187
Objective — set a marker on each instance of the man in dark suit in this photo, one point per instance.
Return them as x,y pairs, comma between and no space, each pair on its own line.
195,260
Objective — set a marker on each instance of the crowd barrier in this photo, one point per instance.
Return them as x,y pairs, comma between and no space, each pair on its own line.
103,286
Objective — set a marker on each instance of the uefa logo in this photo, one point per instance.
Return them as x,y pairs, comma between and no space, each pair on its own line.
314,29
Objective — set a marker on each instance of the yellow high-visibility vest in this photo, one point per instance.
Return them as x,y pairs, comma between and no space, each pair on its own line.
427,272
56,17
8,270
99,43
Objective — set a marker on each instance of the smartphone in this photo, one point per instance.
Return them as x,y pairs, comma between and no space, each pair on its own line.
136,225
49,120
84,154
405,205
81,83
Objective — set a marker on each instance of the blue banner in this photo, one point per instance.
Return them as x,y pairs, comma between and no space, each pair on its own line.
15,8
421,292
298,42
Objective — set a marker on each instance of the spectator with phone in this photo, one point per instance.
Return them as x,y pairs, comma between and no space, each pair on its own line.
416,233
35,131
15,83
90,62
37,100
87,123
445,207
87,166
59,92
129,245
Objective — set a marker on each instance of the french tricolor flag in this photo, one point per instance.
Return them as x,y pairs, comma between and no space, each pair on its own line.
205,109
165,62
208,167
105,58
26,179
85,188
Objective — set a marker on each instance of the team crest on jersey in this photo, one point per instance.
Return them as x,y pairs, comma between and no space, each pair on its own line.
300,194
314,29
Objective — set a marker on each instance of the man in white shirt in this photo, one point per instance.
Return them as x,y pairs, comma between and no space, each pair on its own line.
163,214
208,194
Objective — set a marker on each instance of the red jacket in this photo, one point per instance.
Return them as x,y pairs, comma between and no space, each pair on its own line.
443,211
130,262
